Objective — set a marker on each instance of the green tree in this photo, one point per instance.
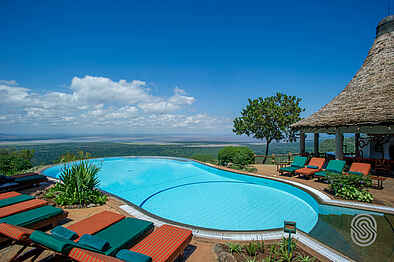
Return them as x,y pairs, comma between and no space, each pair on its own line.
269,118
13,162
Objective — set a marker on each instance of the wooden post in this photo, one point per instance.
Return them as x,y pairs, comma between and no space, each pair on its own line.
302,142
339,144
316,144
357,144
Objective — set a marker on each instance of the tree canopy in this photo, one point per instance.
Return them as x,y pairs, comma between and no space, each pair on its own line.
269,118
12,162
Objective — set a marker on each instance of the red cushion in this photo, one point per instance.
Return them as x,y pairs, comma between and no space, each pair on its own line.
306,171
164,244
15,232
95,223
363,168
83,255
9,194
22,206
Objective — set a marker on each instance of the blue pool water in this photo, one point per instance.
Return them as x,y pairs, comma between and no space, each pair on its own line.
195,194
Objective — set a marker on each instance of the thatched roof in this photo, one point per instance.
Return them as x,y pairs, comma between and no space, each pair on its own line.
368,100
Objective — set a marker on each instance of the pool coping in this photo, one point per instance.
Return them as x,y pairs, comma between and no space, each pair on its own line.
271,234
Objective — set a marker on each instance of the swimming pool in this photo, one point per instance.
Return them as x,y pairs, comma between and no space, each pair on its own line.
195,194
191,193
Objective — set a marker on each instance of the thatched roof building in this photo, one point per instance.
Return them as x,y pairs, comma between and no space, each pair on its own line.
366,105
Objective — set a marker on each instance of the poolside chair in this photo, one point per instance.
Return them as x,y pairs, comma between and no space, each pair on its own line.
14,200
9,194
21,207
35,218
90,225
359,169
298,162
163,245
365,169
334,166
314,165
18,182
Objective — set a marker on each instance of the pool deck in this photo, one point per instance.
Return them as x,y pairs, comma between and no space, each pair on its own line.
382,197
201,247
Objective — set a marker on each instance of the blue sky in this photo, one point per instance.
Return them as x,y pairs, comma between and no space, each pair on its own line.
176,67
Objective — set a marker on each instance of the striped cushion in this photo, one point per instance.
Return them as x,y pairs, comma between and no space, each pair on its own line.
15,232
164,244
84,255
21,207
95,223
9,194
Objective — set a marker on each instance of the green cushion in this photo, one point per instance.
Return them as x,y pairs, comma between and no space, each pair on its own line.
299,161
289,169
29,178
336,166
63,232
94,242
131,256
30,217
355,173
126,232
55,243
313,167
13,200
321,173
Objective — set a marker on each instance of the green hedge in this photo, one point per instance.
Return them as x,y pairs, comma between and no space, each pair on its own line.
237,155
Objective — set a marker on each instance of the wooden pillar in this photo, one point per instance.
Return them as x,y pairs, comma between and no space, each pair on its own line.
302,142
357,144
339,144
316,144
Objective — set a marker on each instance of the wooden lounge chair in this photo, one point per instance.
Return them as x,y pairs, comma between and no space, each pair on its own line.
359,169
165,244
298,162
126,232
365,169
314,165
9,194
334,166
90,225
18,182
21,207
14,200
35,218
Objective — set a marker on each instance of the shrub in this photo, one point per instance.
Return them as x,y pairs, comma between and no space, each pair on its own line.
204,158
350,187
234,247
78,185
14,162
239,156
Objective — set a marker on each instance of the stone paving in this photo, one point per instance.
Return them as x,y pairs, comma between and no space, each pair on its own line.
383,196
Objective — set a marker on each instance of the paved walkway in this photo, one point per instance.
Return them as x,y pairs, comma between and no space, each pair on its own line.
383,196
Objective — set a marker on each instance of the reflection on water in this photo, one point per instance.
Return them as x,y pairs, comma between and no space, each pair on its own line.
334,229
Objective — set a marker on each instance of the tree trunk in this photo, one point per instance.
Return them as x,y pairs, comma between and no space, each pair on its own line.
266,152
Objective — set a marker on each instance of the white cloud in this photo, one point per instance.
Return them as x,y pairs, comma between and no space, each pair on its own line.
99,102
9,82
